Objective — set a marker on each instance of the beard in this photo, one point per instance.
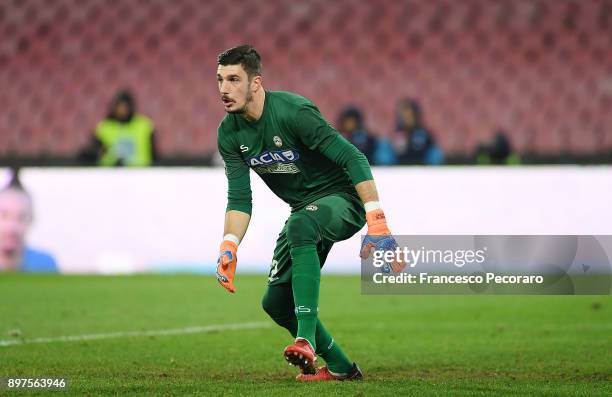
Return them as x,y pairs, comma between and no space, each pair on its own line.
243,110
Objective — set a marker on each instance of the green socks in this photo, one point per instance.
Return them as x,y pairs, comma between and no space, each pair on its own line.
336,360
305,279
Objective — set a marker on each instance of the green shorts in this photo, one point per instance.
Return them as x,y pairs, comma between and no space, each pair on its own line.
336,217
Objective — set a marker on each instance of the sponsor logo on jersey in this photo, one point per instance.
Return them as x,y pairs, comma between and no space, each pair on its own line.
277,169
277,141
311,207
274,162
274,157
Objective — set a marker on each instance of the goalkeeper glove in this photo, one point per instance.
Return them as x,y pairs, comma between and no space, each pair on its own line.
379,238
226,265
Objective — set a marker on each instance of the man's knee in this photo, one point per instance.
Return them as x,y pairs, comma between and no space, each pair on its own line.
302,230
267,305
275,305
281,311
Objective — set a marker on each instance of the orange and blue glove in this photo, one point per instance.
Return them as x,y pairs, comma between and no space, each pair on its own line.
379,238
226,265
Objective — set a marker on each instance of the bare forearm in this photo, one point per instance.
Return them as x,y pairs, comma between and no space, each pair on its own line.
236,223
367,191
375,217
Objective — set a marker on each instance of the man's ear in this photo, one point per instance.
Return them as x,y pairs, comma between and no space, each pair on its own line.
256,83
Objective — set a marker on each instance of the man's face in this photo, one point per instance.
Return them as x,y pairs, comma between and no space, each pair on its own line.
15,217
122,110
235,88
408,116
349,124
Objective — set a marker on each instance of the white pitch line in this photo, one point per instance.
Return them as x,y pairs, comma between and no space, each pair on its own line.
160,332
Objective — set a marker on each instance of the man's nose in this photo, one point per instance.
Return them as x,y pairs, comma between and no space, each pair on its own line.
223,87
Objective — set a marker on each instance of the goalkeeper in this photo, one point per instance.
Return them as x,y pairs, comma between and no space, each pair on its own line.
326,181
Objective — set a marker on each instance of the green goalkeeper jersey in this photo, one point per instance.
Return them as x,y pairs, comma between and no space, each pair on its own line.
298,154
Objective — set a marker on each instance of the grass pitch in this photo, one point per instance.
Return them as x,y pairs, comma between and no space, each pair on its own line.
405,345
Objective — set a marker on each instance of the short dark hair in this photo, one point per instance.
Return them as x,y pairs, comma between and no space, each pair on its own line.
245,55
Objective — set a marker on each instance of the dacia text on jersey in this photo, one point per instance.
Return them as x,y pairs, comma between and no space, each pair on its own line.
274,162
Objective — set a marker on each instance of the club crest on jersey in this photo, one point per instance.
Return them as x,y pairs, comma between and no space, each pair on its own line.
277,141
274,162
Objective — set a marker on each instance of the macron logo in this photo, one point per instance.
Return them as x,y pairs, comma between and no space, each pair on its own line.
304,309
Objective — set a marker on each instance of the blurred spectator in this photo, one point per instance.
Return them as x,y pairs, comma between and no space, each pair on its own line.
124,138
413,142
498,151
15,218
352,127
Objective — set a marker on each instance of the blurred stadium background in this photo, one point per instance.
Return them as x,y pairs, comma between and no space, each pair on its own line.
540,70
